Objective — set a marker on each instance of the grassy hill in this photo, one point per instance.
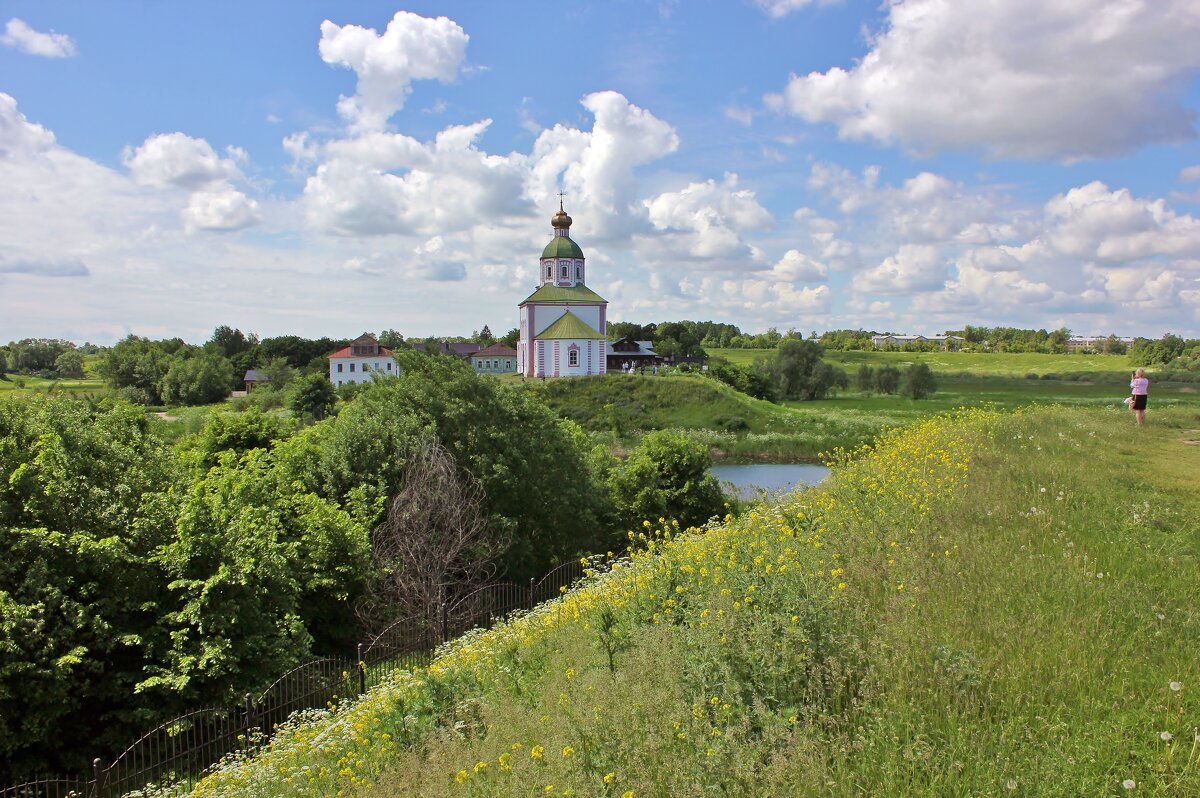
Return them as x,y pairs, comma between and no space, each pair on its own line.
989,604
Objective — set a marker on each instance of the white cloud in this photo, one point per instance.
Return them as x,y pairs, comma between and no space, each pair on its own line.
781,8
739,114
1189,174
796,267
18,136
379,183
176,159
222,208
48,45
914,268
1014,78
708,218
447,185
1093,222
43,267
411,48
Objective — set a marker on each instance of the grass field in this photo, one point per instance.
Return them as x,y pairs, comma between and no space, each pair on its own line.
623,407
999,364
994,604
15,385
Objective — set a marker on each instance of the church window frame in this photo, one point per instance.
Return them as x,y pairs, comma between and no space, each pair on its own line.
573,356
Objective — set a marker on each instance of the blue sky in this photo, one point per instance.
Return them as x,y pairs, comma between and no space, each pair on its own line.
325,168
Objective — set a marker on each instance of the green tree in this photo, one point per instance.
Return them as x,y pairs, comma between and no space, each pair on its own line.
865,378
85,501
198,380
237,432
511,337
391,339
667,476
797,371
258,568
139,363
279,373
69,364
312,395
501,435
229,342
3,363
485,336
887,379
919,381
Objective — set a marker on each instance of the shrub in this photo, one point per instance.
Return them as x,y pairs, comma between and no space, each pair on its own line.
919,382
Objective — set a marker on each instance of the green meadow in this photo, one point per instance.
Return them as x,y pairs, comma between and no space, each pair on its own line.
986,603
991,364
738,428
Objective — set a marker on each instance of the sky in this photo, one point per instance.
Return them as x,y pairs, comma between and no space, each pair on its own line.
321,168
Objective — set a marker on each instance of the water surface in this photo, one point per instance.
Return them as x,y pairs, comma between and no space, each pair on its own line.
749,479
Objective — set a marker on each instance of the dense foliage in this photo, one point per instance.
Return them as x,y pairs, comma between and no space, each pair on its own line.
793,371
138,579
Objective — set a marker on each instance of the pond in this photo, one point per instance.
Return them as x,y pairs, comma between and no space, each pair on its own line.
772,477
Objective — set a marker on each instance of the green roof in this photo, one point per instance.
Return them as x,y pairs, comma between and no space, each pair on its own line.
576,294
567,327
562,247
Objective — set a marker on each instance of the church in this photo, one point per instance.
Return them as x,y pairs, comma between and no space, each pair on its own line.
562,322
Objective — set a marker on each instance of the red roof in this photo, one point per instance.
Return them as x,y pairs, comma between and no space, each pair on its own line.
496,350
345,352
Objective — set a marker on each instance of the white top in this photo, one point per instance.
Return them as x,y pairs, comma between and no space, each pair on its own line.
1139,385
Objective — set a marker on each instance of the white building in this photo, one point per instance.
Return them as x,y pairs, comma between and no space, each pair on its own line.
562,323
361,361
948,342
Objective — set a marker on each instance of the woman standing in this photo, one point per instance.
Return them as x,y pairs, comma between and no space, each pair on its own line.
1139,385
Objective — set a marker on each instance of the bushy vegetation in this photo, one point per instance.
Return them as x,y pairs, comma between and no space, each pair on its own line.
794,370
967,608
140,578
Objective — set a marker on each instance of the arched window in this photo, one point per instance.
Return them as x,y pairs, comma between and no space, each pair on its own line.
578,271
564,272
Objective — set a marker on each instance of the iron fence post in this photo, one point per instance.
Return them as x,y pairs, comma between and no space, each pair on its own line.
248,717
442,631
531,592
362,671
95,791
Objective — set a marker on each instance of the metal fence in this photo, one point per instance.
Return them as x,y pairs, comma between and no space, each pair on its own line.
182,750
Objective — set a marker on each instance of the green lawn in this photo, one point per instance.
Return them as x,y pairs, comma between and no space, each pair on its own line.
15,385
999,364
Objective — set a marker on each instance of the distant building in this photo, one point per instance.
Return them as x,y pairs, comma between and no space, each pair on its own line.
1095,343
945,342
446,348
496,359
254,378
562,323
361,361
626,353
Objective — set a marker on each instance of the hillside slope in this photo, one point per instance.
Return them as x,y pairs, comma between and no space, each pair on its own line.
982,605
735,426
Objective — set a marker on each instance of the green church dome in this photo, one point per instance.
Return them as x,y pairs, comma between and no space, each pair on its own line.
562,247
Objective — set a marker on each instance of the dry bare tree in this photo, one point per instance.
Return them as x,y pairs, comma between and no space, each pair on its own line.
435,543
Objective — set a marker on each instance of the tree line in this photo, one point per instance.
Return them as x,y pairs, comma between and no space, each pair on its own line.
140,577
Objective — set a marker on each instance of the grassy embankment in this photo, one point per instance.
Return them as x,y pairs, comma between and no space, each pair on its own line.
993,605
